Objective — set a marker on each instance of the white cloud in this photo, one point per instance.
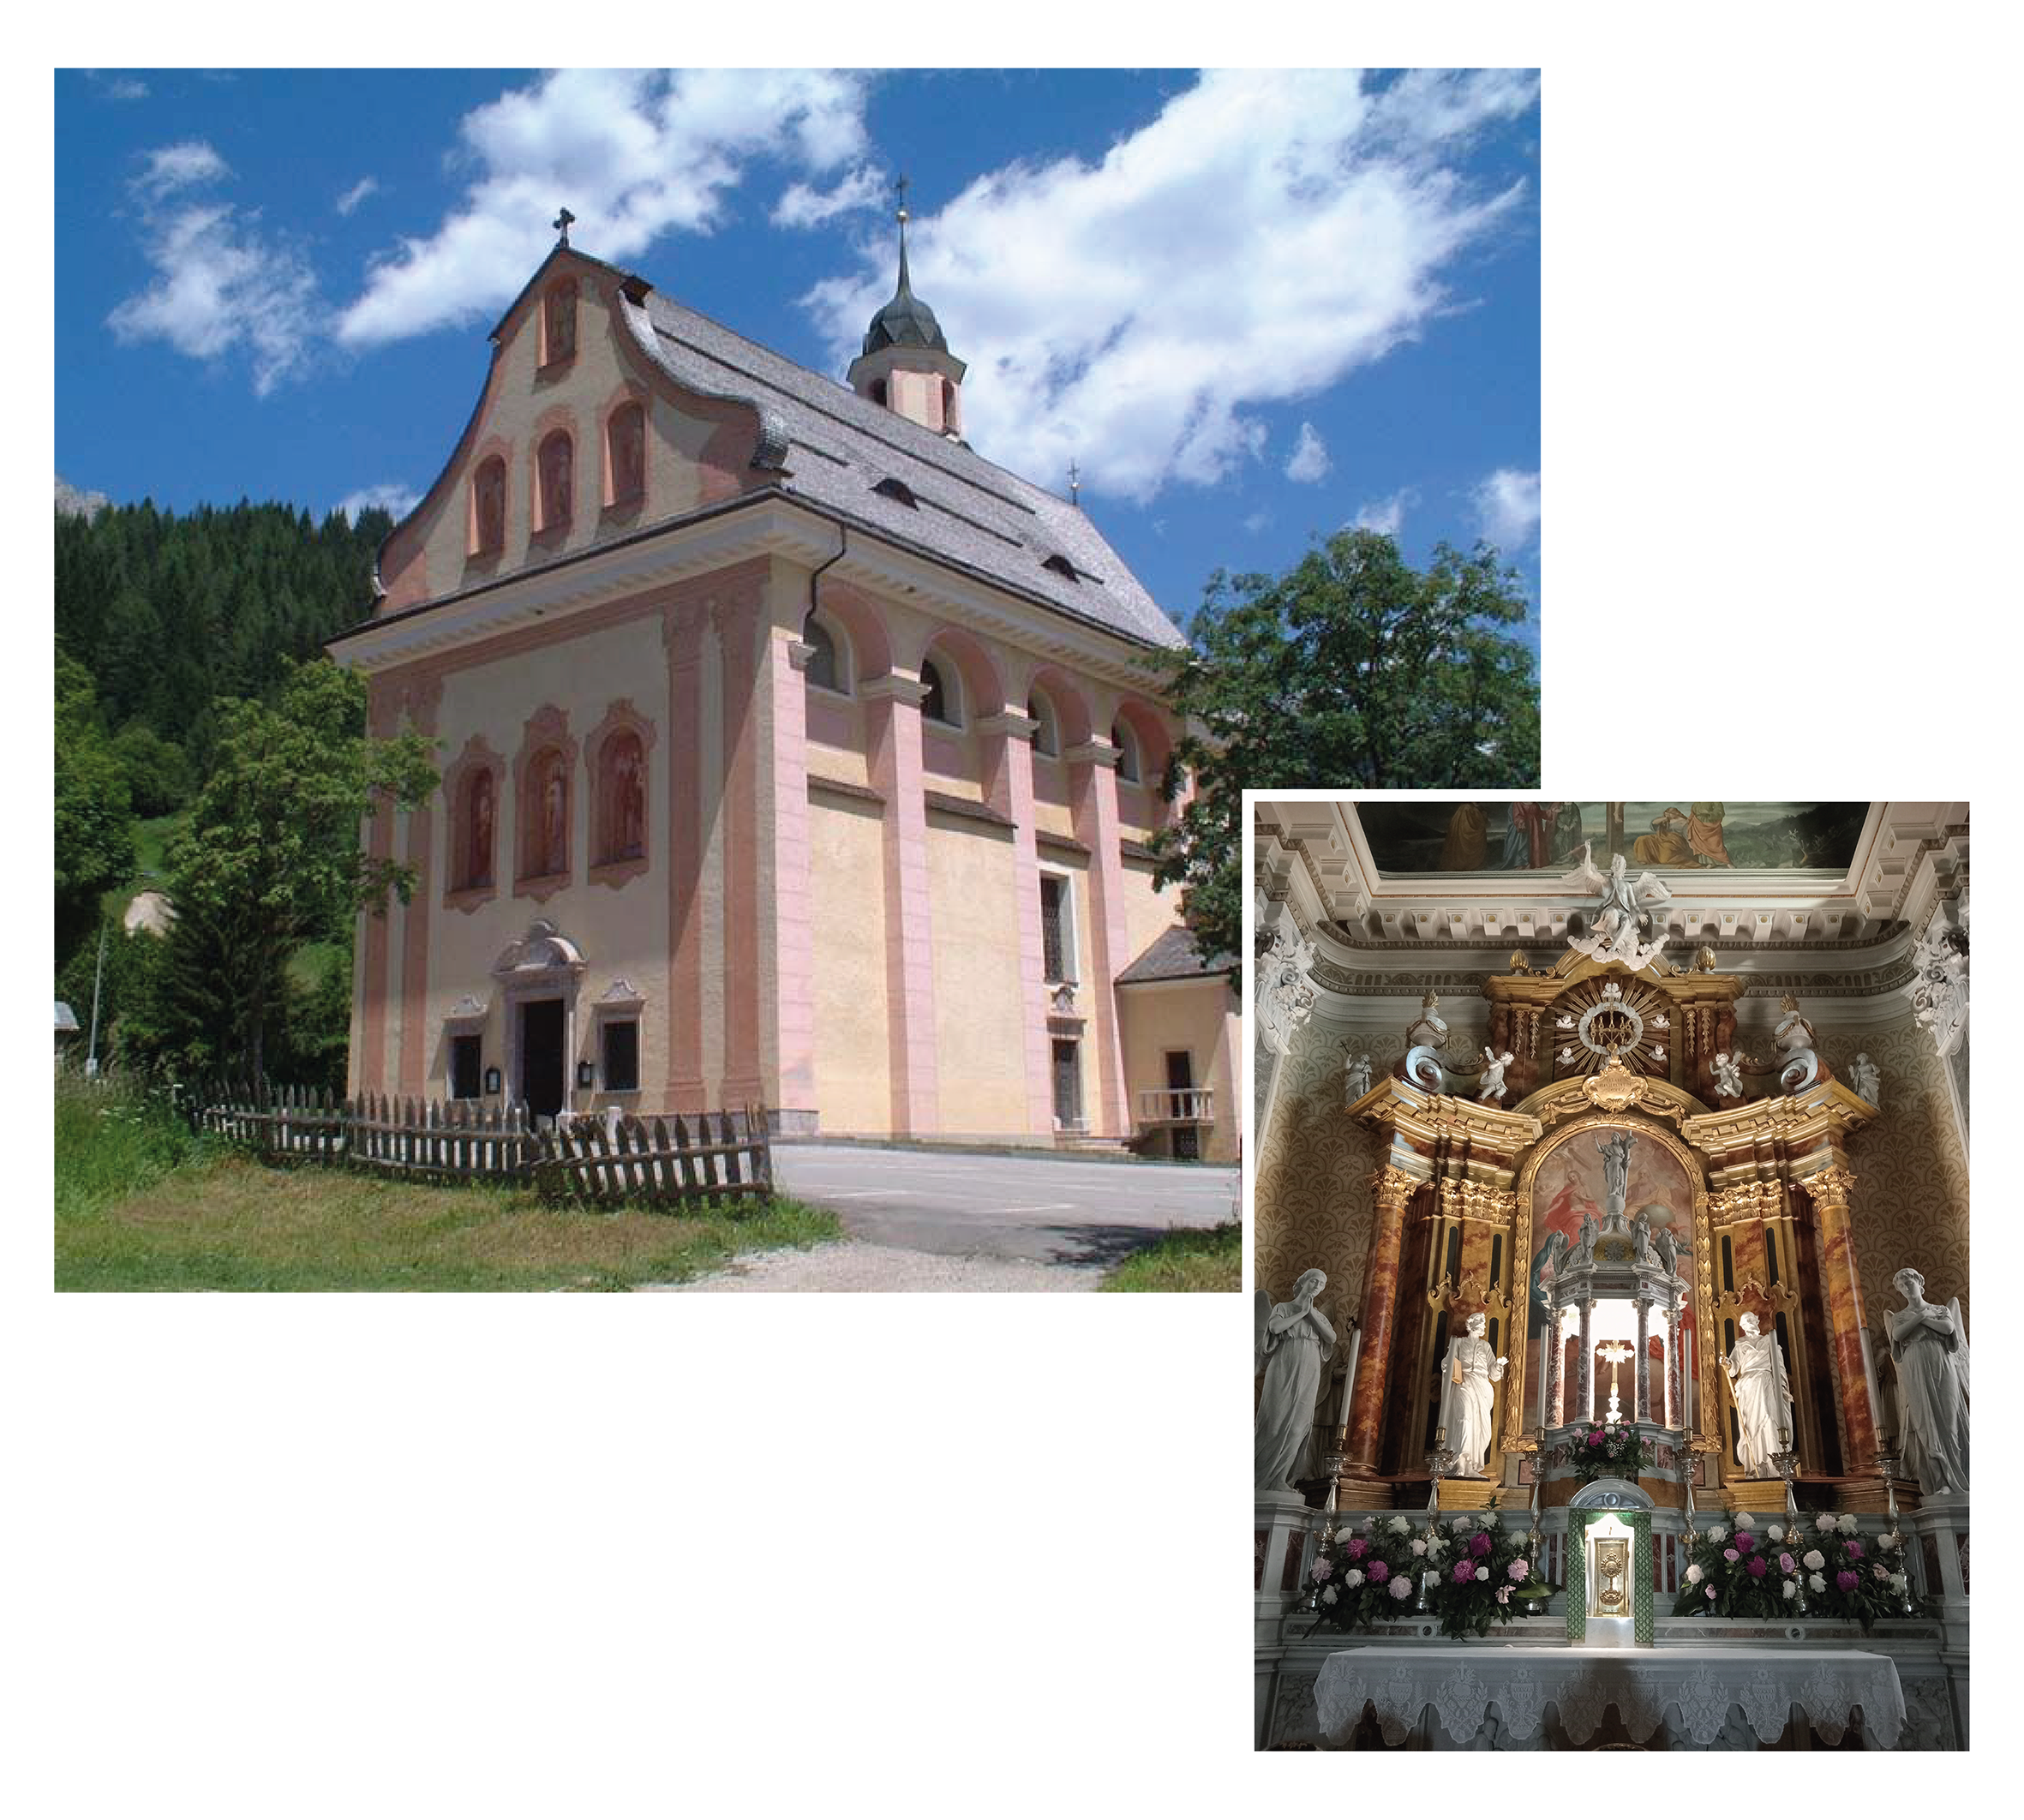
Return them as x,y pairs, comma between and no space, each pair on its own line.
1309,460
397,499
1388,514
365,187
1261,238
117,88
221,282
1511,506
802,205
171,168
1258,521
633,154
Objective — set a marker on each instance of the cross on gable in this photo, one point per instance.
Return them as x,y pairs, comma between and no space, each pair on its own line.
561,226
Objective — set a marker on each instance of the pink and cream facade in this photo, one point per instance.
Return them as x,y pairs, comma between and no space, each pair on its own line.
792,755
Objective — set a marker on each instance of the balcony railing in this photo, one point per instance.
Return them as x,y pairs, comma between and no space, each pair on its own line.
1176,1105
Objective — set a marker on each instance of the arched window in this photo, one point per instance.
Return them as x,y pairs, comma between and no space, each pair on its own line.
950,420
559,322
476,811
622,799
878,392
544,817
829,667
488,492
1047,729
626,454
941,703
557,461
1127,743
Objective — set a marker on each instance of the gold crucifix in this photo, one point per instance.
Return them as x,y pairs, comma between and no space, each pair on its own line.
1616,1352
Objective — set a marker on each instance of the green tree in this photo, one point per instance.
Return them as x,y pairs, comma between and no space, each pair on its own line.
94,816
272,857
1352,670
157,772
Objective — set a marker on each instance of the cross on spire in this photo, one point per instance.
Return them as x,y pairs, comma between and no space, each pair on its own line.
900,189
1074,483
561,226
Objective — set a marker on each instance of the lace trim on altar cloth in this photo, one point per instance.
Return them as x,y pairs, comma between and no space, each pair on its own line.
1702,1692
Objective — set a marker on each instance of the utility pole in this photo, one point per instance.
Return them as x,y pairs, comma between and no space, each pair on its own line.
91,1057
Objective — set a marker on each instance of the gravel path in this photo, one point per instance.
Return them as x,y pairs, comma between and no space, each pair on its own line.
851,1265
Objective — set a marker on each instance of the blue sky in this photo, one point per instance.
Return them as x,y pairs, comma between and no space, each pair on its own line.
1250,307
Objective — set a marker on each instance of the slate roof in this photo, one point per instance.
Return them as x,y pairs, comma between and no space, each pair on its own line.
1173,955
834,449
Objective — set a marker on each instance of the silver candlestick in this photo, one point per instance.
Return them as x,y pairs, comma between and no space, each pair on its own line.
1888,1459
1440,1462
1786,1464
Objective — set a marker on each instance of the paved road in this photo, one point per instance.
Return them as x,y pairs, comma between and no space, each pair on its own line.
1044,1209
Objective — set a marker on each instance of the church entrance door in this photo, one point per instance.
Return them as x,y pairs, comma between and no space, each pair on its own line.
540,1056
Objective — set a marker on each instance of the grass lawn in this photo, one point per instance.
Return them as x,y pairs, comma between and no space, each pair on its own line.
1212,1258
140,1204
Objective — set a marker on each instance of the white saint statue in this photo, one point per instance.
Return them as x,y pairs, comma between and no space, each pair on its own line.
1355,1077
1616,1168
1929,1345
1293,1339
1756,1369
1466,1400
1864,1078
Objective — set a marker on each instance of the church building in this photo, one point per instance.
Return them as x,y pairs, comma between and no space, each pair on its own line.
1612,1225
794,755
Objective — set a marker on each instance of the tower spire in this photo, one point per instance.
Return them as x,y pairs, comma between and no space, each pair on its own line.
900,188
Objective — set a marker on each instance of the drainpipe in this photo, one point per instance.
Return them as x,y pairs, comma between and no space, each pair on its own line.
815,575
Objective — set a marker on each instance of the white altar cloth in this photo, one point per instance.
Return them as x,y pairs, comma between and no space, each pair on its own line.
1690,1691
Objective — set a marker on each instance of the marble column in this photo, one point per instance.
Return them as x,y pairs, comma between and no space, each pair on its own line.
1393,1187
1556,1350
1829,1189
1585,1384
1643,1379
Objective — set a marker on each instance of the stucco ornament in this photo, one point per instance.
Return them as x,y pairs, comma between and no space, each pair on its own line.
1929,1345
1798,1066
1939,980
1728,1076
1470,1370
1424,1041
1866,1081
1755,1369
1490,1088
1294,1338
1286,1001
1620,908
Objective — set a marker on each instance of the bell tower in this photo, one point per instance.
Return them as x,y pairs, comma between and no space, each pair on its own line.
906,364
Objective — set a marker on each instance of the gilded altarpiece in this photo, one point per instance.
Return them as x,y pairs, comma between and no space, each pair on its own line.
1743,1208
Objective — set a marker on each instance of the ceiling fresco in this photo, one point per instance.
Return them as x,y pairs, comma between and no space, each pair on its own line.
1449,835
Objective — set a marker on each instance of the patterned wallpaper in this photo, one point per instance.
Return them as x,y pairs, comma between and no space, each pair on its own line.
1910,1204
1911,1200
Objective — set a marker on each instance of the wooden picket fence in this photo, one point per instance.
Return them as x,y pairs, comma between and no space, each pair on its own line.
586,1159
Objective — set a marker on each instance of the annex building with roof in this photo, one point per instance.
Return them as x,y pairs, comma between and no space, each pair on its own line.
793,755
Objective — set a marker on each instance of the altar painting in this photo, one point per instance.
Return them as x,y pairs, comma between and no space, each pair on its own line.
1570,1185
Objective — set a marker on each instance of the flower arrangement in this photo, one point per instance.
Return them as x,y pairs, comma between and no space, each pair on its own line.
1480,1569
1736,1572
1607,1450
1369,1574
1847,1576
1733,1572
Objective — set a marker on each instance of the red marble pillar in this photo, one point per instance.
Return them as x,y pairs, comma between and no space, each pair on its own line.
1393,1188
1829,1189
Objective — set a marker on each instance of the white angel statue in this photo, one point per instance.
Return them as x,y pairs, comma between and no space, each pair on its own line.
1929,1346
1728,1077
1293,1339
1490,1087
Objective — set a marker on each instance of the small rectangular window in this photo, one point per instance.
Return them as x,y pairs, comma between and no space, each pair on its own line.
621,1056
466,1065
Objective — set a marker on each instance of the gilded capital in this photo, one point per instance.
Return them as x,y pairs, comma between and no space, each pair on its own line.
1829,1187
1393,1187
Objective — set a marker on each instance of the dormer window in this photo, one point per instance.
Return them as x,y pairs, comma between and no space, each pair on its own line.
626,454
941,704
489,491
558,323
897,490
555,464
1062,565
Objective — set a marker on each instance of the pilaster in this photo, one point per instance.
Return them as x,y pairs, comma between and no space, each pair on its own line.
1093,796
892,725
1009,788
681,634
